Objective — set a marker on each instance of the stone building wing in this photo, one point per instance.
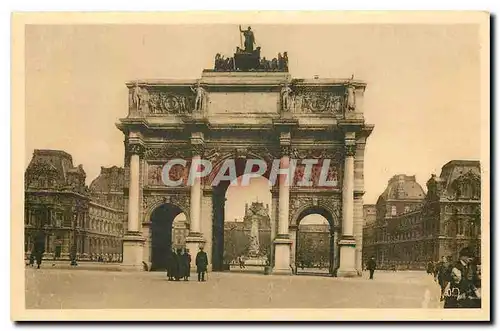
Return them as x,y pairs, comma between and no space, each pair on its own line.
107,188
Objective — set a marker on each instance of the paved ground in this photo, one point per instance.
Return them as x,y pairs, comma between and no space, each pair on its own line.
72,289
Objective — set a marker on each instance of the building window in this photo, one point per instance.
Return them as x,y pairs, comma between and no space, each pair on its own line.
393,211
407,209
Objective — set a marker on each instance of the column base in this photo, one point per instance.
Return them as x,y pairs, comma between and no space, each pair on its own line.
193,242
282,247
347,266
133,245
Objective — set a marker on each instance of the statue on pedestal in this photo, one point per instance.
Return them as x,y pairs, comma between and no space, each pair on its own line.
254,249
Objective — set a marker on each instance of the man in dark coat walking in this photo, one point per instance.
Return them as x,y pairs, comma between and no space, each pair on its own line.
371,265
201,264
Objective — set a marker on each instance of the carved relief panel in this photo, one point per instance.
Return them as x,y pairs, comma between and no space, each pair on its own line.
177,174
156,101
168,103
306,100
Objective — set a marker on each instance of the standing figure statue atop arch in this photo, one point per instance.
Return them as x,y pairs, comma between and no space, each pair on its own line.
249,39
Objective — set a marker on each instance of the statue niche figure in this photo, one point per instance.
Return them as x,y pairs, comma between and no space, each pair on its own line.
249,39
199,102
286,97
350,96
140,97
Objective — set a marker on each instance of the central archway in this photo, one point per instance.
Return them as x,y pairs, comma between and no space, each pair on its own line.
220,258
162,219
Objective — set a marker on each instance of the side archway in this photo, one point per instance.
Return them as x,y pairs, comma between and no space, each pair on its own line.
314,235
161,221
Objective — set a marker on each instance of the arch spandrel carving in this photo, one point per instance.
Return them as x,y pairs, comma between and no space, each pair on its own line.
301,203
151,202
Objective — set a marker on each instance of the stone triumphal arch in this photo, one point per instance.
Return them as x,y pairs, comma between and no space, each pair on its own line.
245,108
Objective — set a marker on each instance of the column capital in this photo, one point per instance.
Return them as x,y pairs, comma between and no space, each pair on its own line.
197,149
135,148
285,150
350,149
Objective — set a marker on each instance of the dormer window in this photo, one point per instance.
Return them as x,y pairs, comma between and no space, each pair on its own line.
393,211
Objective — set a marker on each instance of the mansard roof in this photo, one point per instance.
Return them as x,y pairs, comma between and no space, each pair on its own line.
56,164
110,179
403,187
457,168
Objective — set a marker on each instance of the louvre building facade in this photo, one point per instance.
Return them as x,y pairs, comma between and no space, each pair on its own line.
412,228
86,221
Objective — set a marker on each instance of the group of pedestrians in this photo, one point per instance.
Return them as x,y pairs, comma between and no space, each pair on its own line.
460,281
179,265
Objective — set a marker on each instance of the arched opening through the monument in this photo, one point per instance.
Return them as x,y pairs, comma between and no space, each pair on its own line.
314,242
241,222
164,236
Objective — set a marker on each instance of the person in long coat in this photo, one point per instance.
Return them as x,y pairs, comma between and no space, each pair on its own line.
172,265
201,264
180,265
39,248
371,266
186,260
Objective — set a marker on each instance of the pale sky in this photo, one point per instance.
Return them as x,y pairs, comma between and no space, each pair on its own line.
422,93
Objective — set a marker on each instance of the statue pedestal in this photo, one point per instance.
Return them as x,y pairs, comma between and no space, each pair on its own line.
256,261
347,267
246,61
282,247
133,245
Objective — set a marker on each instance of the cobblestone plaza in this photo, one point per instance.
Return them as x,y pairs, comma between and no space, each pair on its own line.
48,288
